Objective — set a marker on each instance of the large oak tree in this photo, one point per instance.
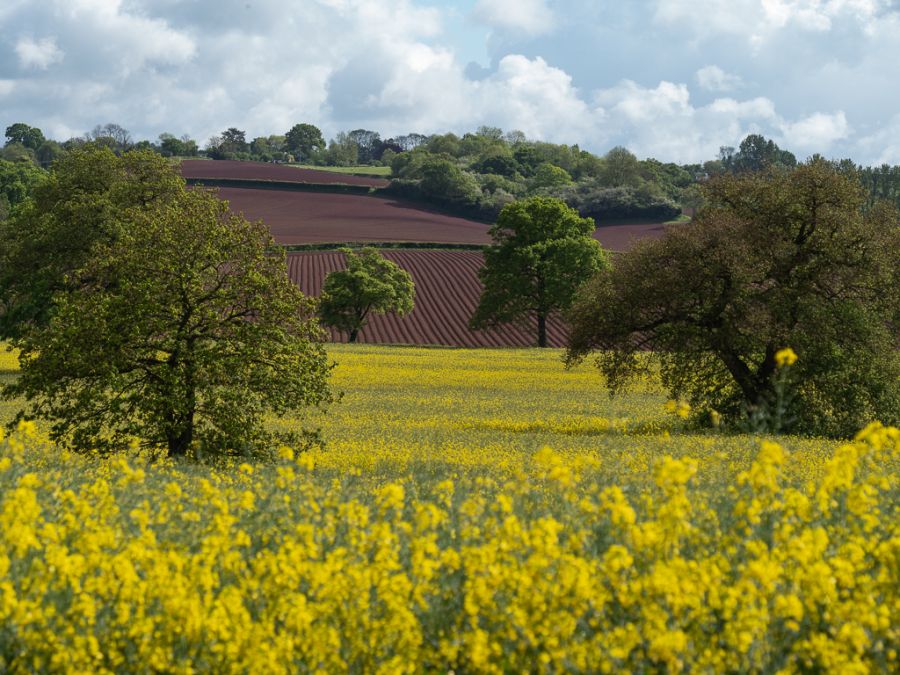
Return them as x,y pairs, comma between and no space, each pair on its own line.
177,326
775,259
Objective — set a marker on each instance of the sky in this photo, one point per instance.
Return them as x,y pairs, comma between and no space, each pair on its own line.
671,79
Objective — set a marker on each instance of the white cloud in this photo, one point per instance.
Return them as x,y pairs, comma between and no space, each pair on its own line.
817,132
534,97
758,20
713,78
531,17
760,108
38,54
200,67
884,144
130,38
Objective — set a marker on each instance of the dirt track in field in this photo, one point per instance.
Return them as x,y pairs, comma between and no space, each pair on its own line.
206,168
447,292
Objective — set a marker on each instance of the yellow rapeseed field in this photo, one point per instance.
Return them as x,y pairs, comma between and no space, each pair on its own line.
472,511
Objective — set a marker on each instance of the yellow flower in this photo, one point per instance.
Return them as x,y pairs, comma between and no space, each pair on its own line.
785,357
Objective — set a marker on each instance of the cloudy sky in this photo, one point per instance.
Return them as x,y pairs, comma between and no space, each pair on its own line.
672,79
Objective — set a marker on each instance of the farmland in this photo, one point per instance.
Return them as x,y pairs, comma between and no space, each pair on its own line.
474,511
313,217
263,171
447,292
447,286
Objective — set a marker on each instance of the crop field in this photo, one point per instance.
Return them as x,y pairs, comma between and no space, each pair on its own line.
314,217
319,217
200,168
364,170
472,511
447,292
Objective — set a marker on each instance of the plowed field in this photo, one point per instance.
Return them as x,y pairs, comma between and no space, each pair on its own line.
321,217
204,168
317,217
447,291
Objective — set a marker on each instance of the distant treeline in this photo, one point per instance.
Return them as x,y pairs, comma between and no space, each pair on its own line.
475,174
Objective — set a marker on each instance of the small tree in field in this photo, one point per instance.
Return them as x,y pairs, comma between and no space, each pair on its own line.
543,251
181,332
370,284
775,259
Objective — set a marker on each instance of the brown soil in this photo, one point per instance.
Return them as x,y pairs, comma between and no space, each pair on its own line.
317,217
204,168
447,292
320,217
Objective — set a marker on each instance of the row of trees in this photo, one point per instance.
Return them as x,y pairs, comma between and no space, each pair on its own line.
477,173
482,172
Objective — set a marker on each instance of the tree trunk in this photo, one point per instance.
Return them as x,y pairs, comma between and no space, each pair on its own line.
180,442
542,330
353,334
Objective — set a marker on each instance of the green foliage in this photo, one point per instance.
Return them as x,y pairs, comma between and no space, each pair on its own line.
881,182
443,180
368,144
593,200
49,152
542,252
230,144
620,169
447,144
775,259
304,141
370,284
342,151
30,137
550,176
497,162
84,201
756,153
510,167
18,153
183,331
17,181
169,146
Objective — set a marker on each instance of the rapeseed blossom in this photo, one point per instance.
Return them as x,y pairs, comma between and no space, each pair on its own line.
785,357
127,565
541,535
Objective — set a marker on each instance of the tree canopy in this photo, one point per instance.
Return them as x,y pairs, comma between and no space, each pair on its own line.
17,181
542,252
370,284
775,259
28,136
304,141
181,331
84,200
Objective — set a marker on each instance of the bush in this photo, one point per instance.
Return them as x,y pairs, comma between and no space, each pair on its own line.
604,203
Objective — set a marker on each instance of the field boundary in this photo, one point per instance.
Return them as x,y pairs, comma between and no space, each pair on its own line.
282,185
333,246
338,170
